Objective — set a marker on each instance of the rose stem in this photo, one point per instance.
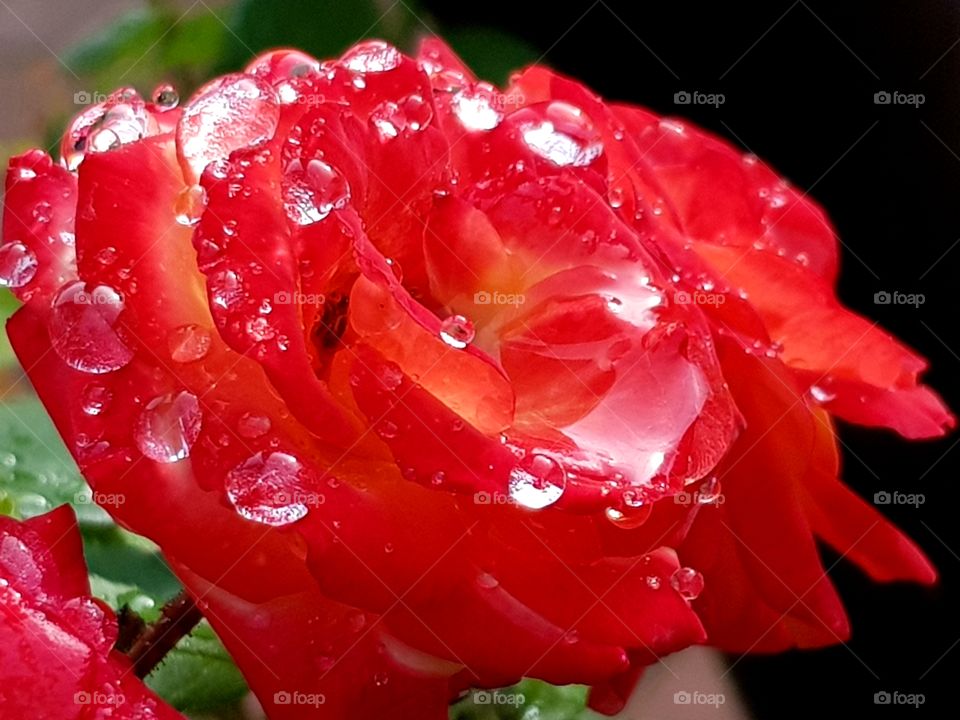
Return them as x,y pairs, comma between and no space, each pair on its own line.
177,619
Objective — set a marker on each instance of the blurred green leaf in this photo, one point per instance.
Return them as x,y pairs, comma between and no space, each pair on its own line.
528,700
490,53
198,674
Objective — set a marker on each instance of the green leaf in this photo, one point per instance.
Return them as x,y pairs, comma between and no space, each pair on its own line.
198,674
528,700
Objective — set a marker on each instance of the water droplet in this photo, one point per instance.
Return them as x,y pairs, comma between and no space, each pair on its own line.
387,430
95,398
537,481
259,329
42,212
267,490
188,343
629,518
166,97
381,679
653,582
438,478
83,328
252,425
487,581
356,622
373,56
457,331
633,498
822,395
227,114
388,548
310,193
709,492
190,204
168,427
476,108
565,137
688,582
616,197
18,264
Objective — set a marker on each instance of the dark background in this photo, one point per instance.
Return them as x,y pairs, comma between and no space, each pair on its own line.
799,80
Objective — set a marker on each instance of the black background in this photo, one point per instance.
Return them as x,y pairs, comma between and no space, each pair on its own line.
799,80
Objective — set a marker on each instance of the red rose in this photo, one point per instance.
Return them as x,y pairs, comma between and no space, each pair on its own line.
423,385
56,660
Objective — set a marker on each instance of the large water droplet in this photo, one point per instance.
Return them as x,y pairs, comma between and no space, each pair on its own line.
537,481
83,328
457,331
268,490
688,582
252,425
566,136
230,113
18,264
310,193
477,108
188,343
169,426
373,56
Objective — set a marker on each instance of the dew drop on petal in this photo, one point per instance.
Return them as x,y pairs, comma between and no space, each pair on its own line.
822,395
536,482
310,193
190,205
373,56
629,518
18,264
476,108
457,331
709,492
252,425
95,399
232,112
83,328
487,581
188,343
166,97
565,136
653,582
168,427
267,489
688,582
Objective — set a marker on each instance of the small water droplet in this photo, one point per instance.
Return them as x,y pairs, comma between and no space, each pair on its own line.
188,343
537,481
616,197
822,395
311,193
438,478
476,108
190,204
387,430
253,425
629,518
487,581
42,212
166,97
18,264
95,398
381,679
653,582
372,56
168,427
566,136
457,331
688,582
